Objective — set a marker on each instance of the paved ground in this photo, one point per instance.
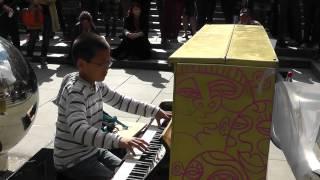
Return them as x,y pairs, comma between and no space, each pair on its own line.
149,86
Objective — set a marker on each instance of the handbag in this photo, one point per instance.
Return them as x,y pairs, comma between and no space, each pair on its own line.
32,18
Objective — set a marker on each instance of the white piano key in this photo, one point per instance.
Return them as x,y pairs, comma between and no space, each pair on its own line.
125,170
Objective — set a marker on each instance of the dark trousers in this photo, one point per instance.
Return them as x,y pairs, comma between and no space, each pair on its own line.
289,20
98,167
46,31
311,20
205,9
111,12
146,11
170,18
137,48
60,15
91,6
228,8
9,27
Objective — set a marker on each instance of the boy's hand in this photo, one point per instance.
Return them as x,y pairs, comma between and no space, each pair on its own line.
161,114
130,143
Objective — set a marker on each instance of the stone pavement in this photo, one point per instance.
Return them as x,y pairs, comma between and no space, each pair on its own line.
150,86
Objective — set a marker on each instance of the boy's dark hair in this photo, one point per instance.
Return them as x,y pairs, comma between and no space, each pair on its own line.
87,45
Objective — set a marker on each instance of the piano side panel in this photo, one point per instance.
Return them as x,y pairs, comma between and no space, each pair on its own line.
221,121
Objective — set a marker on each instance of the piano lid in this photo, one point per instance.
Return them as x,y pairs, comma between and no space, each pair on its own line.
245,45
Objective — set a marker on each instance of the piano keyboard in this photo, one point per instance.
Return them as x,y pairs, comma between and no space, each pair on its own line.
139,166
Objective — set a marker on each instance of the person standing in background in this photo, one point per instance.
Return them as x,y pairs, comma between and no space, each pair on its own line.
60,16
51,24
311,35
111,12
9,20
135,44
206,9
228,8
289,23
90,6
189,15
170,20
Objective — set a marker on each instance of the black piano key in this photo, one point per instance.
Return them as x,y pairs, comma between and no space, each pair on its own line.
139,170
136,173
143,164
129,178
135,177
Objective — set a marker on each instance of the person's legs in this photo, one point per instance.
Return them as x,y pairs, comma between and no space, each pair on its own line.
33,35
90,168
107,15
211,7
146,9
316,33
45,35
315,36
228,9
94,4
162,15
4,26
185,25
140,48
283,22
115,4
60,16
202,9
125,4
295,18
108,159
14,31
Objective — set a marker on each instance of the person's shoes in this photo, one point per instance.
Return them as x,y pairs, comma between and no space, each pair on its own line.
108,39
185,36
165,43
317,57
43,63
281,44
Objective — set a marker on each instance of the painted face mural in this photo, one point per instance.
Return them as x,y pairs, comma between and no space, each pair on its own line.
230,140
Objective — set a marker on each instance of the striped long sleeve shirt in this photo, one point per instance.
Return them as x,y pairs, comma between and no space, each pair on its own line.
80,112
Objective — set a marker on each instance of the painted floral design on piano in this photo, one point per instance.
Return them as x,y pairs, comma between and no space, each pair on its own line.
224,117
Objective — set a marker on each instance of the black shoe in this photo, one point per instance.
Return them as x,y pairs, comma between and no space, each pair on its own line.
281,44
317,57
43,63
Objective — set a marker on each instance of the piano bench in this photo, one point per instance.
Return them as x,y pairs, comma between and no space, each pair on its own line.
60,176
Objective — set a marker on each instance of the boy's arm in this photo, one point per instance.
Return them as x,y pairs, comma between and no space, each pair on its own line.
127,104
81,130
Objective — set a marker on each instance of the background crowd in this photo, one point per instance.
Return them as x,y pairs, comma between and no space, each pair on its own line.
292,23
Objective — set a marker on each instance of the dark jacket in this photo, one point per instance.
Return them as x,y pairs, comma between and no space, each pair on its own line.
129,25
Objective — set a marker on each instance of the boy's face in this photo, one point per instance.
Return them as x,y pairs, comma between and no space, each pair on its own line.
97,69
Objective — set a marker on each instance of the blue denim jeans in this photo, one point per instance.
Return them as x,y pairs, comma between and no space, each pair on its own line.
100,166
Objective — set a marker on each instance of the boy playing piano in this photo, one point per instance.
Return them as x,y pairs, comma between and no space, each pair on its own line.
80,146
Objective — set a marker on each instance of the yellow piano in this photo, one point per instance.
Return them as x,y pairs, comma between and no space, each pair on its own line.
222,106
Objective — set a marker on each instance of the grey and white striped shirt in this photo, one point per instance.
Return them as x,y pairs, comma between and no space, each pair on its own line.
80,111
